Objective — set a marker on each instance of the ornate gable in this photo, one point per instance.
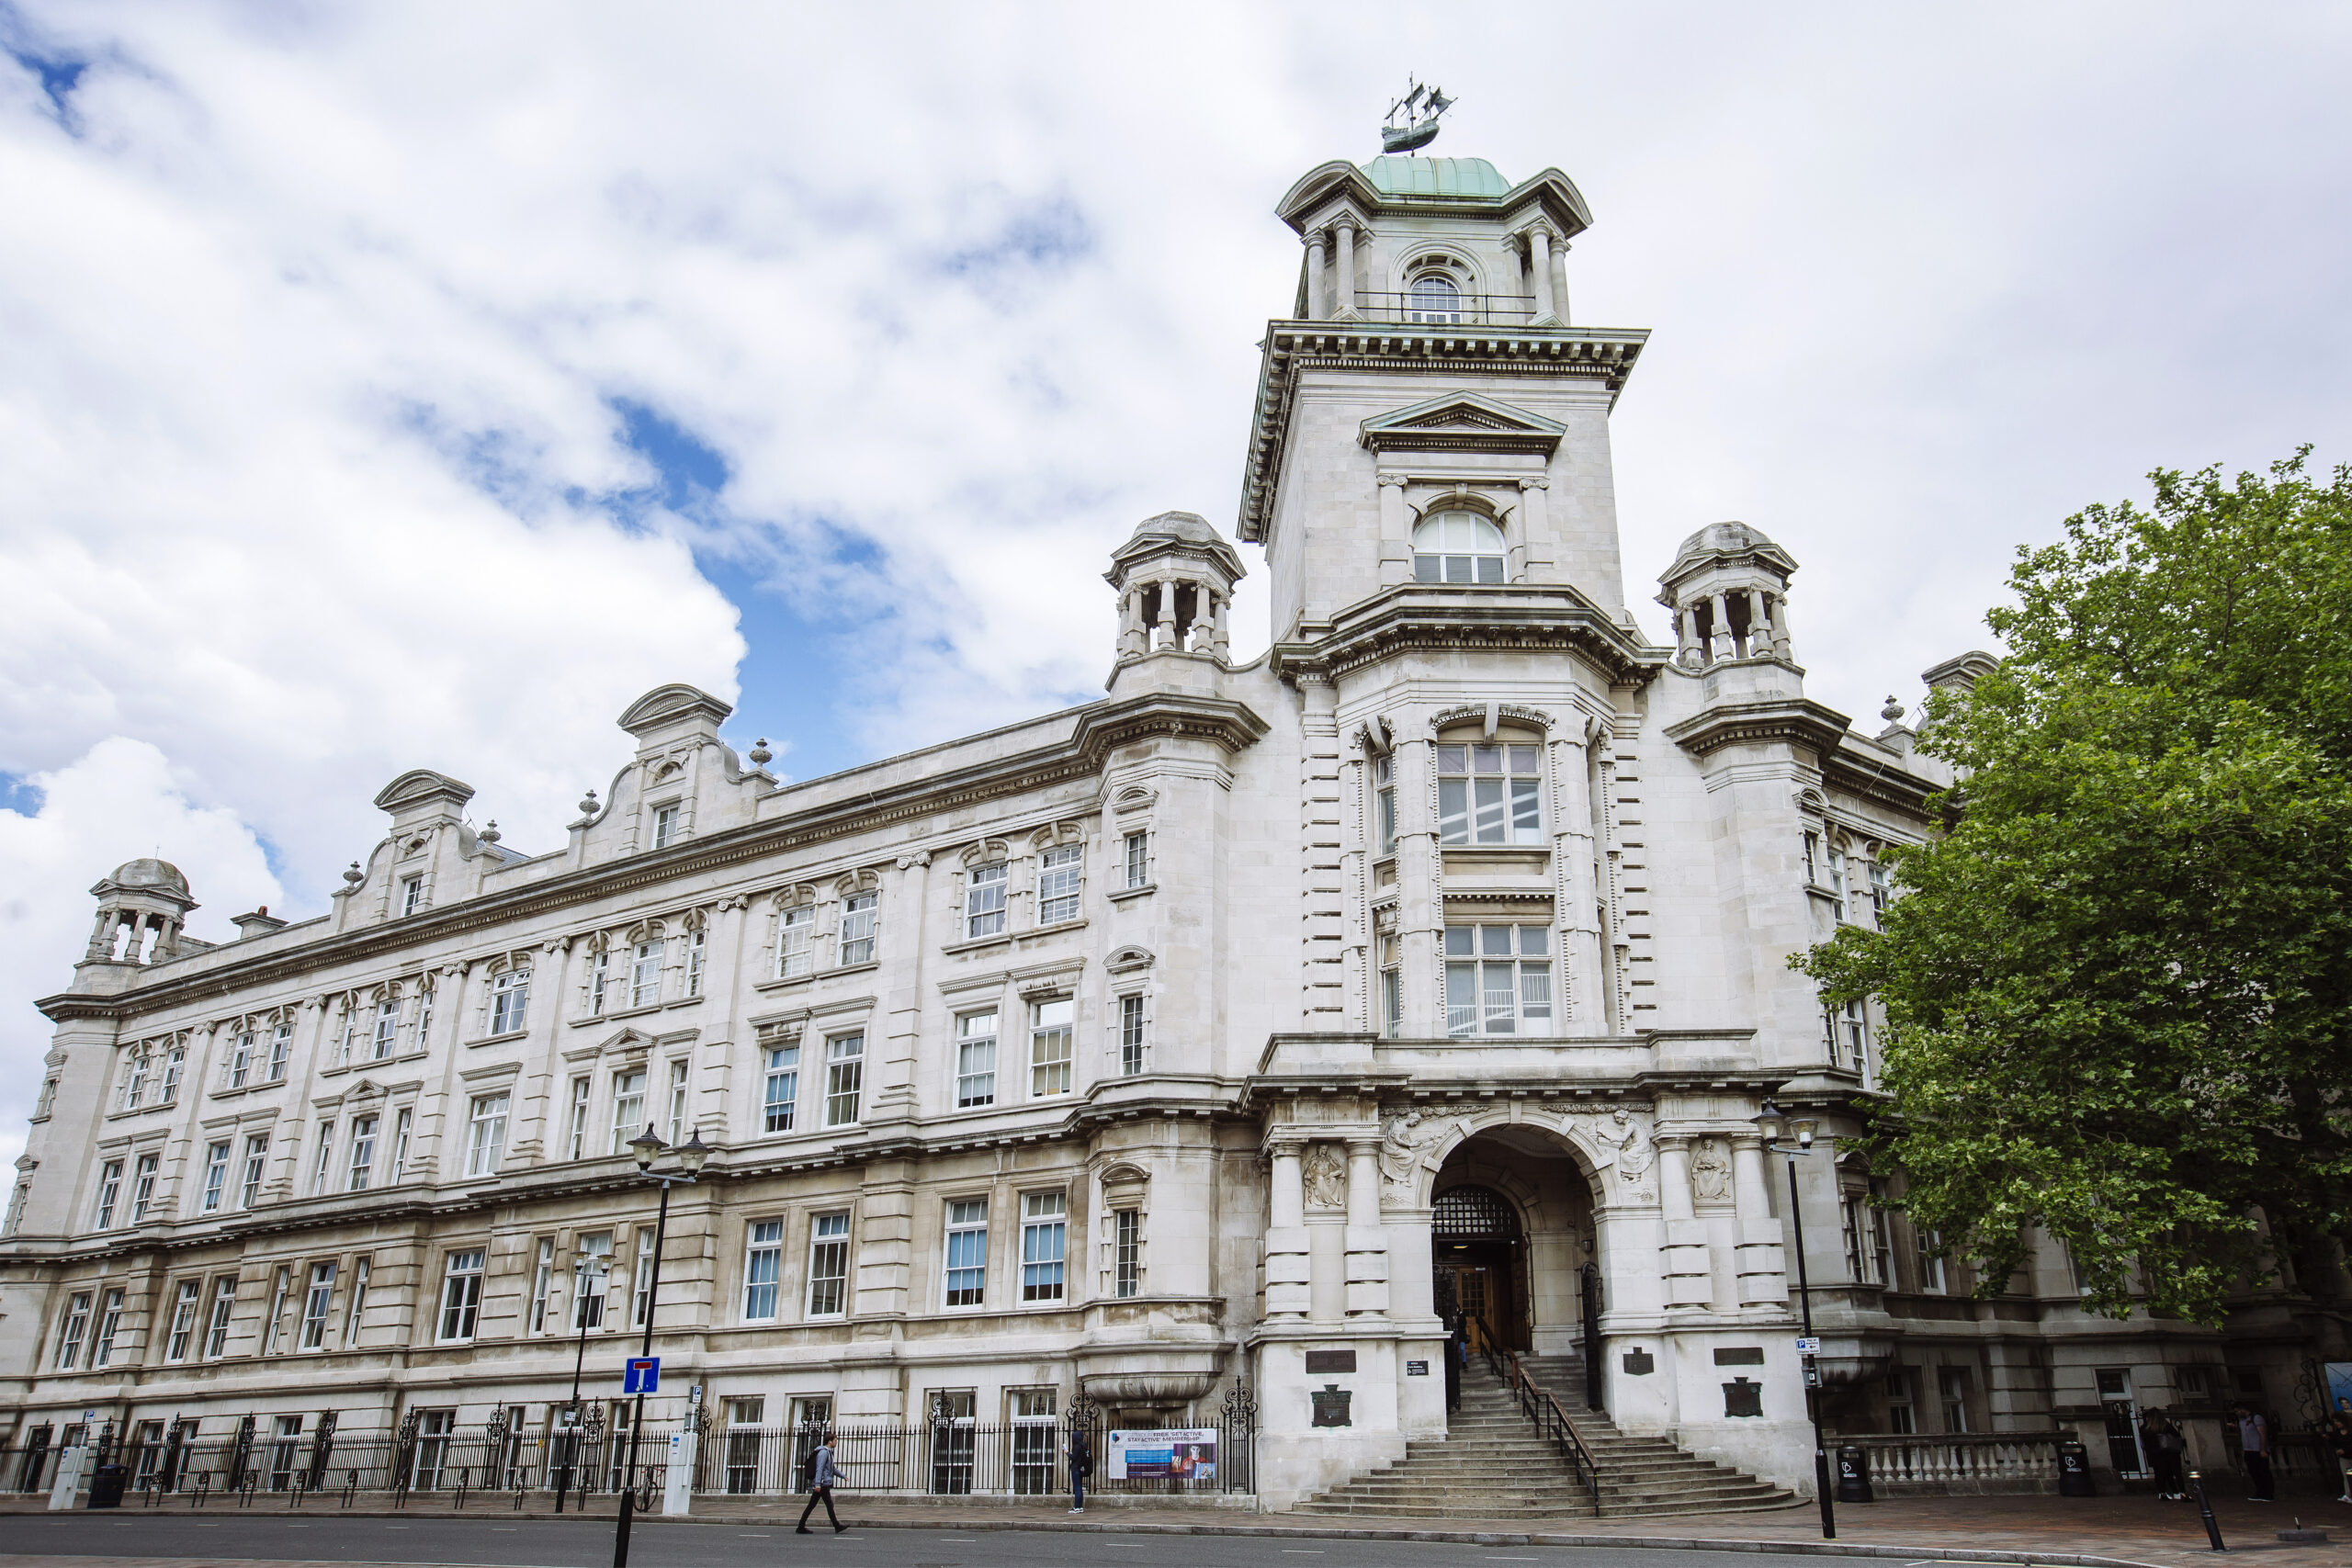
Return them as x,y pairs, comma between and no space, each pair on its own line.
1458,421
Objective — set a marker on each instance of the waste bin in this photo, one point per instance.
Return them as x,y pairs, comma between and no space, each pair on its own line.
1854,1475
2075,1471
106,1485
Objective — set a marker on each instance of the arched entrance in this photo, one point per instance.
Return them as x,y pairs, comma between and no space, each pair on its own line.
1476,1247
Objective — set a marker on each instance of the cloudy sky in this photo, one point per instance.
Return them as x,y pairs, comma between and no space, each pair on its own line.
414,384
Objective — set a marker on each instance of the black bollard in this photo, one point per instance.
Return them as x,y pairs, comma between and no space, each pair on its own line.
2205,1509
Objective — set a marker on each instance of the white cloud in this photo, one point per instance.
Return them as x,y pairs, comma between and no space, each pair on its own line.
316,317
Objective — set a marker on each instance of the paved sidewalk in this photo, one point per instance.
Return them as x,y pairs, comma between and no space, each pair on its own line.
2095,1530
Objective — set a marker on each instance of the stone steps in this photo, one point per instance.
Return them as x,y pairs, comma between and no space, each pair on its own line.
1491,1464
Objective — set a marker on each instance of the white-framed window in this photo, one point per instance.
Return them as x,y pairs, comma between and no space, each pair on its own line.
698,952
1126,1252
860,915
1900,1415
143,1186
1932,1278
281,1050
975,1058
109,1325
1489,794
486,1135
1131,1035
542,1282
224,1306
510,1001
1061,879
1837,882
109,1194
420,1030
796,945
47,1100
1497,980
216,1174
679,1073
641,1279
1049,1046
386,1037
412,894
984,900
828,1265
274,1325
316,1300
1434,299
174,1062
645,974
597,1251
1045,1223
576,1134
1882,890
1951,1390
1384,805
762,1269
1854,1032
256,1169
600,982
176,1346
1856,1233
17,1207
402,1120
240,1059
355,1305
134,1085
781,1094
362,1167
629,1108
845,1077
1457,546
324,1159
1392,986
460,1296
70,1330
666,820
968,1252
1139,859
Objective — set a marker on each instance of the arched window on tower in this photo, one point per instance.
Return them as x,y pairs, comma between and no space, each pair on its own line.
1457,546
1435,298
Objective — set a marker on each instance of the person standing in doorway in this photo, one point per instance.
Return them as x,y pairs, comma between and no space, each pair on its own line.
2254,1441
1081,1466
822,1476
2160,1435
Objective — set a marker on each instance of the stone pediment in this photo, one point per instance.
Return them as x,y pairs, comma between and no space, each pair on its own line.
422,787
1459,422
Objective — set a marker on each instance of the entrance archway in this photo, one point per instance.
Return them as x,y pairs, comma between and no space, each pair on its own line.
1476,1247
1512,1228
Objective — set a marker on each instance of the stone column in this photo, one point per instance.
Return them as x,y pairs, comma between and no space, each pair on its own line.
1396,531
1724,646
1288,1291
1219,644
1686,1276
1344,285
1134,642
1584,1010
1164,635
1560,281
102,936
1319,299
1781,624
1760,625
1539,269
1686,636
1367,1239
1762,1270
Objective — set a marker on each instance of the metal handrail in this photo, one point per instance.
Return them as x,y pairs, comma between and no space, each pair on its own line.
1551,1423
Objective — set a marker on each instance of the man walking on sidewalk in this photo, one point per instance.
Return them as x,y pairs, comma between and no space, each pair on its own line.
1081,1465
822,1476
2253,1440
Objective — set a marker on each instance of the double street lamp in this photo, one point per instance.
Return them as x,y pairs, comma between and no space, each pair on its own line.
1774,1123
691,1154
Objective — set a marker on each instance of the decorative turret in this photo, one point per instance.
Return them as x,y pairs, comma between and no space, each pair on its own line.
1728,589
1175,578
141,907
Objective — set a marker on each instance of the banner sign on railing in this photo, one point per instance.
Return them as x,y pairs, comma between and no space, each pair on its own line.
1182,1453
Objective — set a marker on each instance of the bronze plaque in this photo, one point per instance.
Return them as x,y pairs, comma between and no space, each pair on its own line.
1327,1362
1331,1406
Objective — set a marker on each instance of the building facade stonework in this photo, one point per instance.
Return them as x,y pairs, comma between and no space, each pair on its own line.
1259,1016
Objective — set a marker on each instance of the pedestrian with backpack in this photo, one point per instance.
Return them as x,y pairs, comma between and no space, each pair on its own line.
822,1476
1081,1465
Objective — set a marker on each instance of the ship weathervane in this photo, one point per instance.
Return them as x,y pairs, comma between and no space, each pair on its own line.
1412,119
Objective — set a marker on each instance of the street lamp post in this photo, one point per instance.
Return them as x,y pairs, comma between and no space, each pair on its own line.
691,1154
1772,1122
588,1275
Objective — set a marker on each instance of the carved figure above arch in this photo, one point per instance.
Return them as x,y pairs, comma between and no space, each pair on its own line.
1414,1144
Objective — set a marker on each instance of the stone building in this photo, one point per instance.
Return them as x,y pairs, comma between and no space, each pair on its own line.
1233,1027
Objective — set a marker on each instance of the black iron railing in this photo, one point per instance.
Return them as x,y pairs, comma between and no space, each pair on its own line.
1463,310
1551,1423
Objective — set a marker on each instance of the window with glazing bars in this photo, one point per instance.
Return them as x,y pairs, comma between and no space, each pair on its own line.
386,1036
828,1265
224,1305
645,974
176,1346
510,1001
782,1091
281,1050
110,1192
629,1108
363,1155
860,916
796,953
316,1300
1060,879
143,1186
762,1269
968,1252
1131,1035
486,1138
1049,1046
1497,980
1126,1252
216,1174
460,1296
975,1059
845,1078
1384,804
984,900
1043,1235
1489,794
1138,860
257,1167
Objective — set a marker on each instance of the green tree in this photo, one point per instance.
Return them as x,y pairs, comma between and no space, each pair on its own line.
2118,986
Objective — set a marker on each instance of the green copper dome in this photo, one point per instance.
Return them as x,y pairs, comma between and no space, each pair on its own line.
1435,176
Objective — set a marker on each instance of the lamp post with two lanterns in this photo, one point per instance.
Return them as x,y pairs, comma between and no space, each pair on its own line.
691,1154
1773,1124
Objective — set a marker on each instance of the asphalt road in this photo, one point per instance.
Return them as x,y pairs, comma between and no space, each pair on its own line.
588,1543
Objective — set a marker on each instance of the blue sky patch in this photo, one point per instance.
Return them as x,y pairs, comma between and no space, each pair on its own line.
60,73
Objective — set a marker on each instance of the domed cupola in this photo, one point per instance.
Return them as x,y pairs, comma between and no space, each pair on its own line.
1175,577
1728,589
141,906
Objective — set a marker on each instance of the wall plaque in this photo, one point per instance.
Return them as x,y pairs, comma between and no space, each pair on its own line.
1325,1361
1743,1398
1640,1363
1331,1406
1740,1356
1417,1369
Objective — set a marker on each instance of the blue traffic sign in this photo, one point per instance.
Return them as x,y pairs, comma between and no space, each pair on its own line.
642,1374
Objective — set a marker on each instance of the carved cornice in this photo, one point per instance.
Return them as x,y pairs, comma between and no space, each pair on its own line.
1413,617
1849,769
1791,721
1605,355
1099,728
